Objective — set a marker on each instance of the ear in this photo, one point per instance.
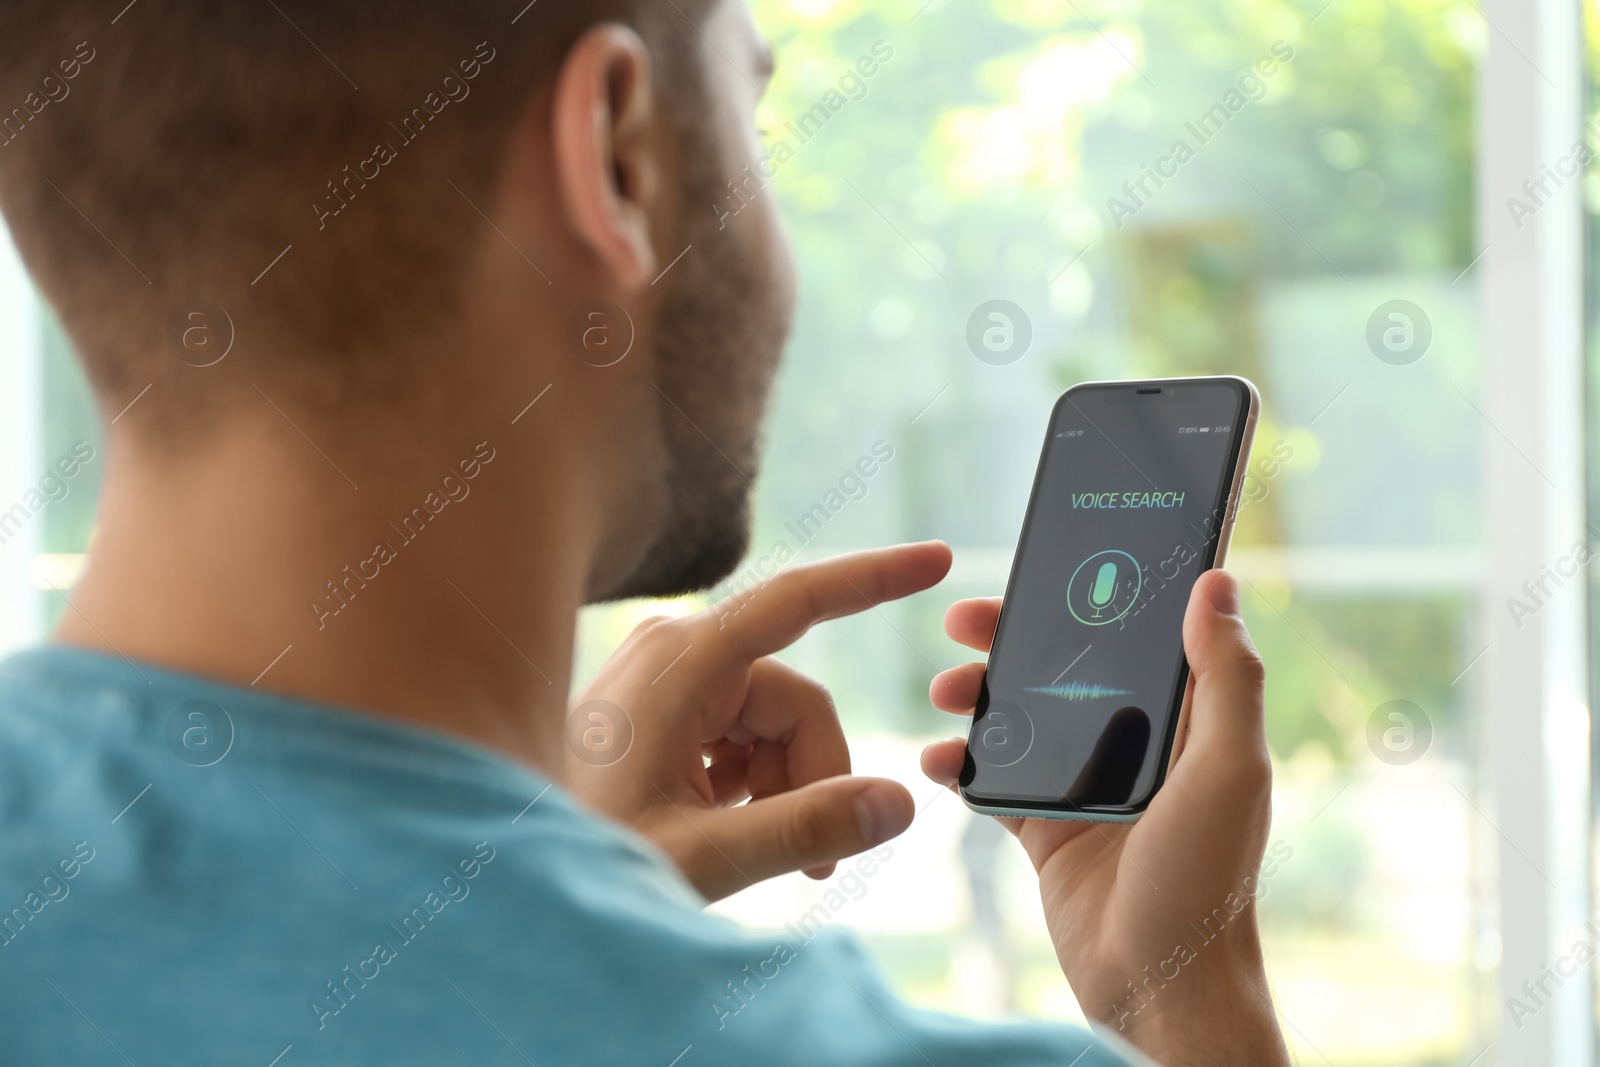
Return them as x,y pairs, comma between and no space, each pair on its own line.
607,166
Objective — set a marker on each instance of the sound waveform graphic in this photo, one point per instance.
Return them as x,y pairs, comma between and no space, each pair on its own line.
1076,691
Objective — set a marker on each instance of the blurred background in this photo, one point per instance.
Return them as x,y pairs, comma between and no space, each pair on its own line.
980,163
1318,234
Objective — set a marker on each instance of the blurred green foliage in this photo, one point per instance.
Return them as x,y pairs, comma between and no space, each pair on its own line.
977,162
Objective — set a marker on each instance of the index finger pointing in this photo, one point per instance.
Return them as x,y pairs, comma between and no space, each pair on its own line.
777,612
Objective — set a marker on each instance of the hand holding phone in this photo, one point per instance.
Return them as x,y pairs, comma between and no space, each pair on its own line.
1134,498
1154,922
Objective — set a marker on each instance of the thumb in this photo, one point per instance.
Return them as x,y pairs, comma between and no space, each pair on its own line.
1226,720
1206,830
809,827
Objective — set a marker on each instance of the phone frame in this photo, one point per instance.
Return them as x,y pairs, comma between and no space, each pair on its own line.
1179,721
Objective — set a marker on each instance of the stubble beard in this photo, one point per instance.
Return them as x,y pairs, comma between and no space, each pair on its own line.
722,327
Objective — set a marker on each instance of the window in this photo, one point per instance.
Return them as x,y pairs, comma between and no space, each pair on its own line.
1173,187
1317,195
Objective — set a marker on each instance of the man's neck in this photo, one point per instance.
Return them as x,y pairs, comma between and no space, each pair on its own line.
442,591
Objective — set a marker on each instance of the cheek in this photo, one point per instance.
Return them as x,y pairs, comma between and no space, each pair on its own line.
785,272
768,251
781,292
772,246
767,235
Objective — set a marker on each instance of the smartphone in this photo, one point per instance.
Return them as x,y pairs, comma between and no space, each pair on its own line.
1135,496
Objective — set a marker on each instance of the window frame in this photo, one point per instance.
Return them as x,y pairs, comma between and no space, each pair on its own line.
1531,94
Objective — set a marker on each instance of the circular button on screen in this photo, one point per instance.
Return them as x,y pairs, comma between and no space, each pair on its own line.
1104,587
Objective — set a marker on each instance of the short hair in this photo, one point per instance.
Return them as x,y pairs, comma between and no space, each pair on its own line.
173,151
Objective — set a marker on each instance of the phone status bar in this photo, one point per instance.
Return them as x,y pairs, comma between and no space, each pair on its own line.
1204,429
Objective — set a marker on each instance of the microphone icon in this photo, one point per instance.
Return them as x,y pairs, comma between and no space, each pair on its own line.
1104,588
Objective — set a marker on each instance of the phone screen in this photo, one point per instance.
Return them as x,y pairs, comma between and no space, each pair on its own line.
1086,677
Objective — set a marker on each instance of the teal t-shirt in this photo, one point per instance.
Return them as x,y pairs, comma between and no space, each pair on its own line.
194,873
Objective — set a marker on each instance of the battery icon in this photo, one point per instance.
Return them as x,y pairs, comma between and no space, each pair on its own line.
1205,429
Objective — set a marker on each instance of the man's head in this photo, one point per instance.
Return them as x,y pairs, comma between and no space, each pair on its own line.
407,214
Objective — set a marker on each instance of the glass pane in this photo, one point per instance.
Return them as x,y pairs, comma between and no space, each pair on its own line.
1165,187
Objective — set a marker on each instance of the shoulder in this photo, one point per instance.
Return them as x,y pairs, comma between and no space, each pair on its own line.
378,895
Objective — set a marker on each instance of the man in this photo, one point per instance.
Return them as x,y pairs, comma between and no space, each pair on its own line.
418,332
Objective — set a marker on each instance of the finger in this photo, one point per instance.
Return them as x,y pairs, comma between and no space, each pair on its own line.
1214,812
956,690
774,614
769,770
729,782
806,828
972,622
942,760
1226,721
798,736
722,749
1180,738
